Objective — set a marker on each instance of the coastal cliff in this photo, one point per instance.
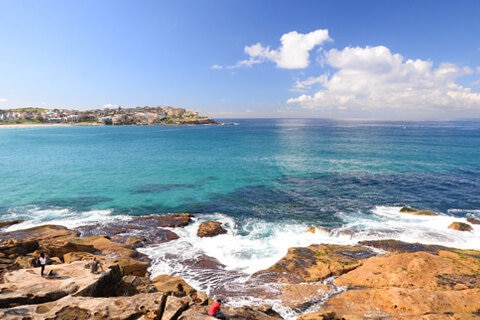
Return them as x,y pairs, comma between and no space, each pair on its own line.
372,280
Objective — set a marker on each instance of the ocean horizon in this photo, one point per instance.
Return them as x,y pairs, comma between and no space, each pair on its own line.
266,180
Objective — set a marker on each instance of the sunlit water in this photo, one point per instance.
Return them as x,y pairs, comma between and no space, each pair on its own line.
267,181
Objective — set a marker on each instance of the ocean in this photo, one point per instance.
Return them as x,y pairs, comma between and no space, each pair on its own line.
266,180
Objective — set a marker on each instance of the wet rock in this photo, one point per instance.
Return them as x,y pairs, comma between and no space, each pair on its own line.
4,224
460,226
401,247
39,234
473,221
315,263
417,212
168,221
210,229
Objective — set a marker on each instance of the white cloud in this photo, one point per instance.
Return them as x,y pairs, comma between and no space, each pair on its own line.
3,100
372,79
304,85
294,52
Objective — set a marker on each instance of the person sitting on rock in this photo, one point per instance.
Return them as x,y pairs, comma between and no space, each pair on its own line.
215,310
95,264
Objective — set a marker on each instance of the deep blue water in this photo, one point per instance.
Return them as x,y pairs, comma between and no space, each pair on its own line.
305,169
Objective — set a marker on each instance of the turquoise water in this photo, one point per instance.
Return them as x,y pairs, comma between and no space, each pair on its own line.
285,168
266,180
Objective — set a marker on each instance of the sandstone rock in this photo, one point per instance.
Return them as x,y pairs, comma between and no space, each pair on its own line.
9,223
39,233
175,306
170,285
417,212
418,270
409,284
473,221
133,267
398,302
60,247
26,286
147,306
460,226
301,296
247,313
315,263
77,256
169,221
400,246
210,229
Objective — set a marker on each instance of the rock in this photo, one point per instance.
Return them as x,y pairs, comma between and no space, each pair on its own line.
400,246
26,286
302,296
410,284
210,229
141,306
417,212
323,316
174,307
315,263
473,221
394,303
169,221
40,233
418,270
16,247
4,224
60,247
460,226
129,266
172,285
247,313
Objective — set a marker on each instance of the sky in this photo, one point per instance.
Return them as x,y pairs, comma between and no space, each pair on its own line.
356,59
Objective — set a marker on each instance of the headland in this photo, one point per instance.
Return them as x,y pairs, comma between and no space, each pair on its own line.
159,115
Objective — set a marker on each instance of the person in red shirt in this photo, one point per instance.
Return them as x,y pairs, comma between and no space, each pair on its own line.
215,310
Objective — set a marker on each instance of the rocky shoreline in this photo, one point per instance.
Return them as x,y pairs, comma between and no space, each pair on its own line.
373,280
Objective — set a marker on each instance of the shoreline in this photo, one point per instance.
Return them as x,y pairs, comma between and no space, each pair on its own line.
386,276
46,125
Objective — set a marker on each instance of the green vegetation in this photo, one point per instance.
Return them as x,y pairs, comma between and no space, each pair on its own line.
407,209
37,110
21,121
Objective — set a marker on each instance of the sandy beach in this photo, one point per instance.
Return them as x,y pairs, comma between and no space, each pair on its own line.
43,125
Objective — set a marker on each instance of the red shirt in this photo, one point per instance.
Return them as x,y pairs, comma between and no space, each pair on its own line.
214,308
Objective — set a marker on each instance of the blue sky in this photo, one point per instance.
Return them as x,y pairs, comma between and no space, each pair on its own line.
365,59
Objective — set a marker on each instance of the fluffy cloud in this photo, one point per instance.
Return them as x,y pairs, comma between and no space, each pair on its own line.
2,100
294,52
372,78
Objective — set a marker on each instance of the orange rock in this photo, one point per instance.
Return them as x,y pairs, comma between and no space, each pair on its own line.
210,229
460,226
315,263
